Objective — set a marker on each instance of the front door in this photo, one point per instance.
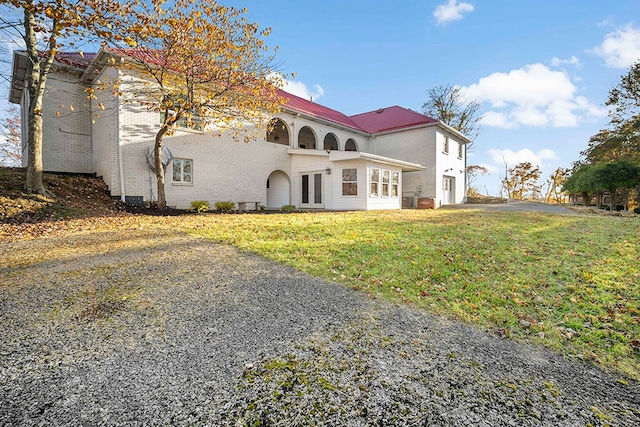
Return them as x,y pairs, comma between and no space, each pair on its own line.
311,185
449,190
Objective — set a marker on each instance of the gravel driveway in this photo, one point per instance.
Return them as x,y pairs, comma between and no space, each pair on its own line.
149,329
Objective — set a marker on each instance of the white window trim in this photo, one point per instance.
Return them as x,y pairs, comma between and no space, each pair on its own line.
379,182
183,128
388,183
445,146
395,185
460,150
182,183
350,182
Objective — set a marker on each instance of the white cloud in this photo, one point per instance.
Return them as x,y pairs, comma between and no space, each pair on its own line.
497,120
451,11
300,89
533,95
621,48
499,157
557,62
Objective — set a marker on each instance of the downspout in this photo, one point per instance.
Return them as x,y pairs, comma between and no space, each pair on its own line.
121,166
466,190
123,197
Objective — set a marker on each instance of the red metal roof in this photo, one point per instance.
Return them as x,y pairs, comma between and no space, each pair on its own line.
390,118
381,120
311,108
384,119
75,59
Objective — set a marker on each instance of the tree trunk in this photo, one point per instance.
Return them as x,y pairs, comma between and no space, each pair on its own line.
162,200
586,199
35,87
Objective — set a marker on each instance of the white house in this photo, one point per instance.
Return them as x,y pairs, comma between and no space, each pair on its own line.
315,158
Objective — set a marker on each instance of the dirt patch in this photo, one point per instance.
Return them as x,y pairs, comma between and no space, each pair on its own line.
68,196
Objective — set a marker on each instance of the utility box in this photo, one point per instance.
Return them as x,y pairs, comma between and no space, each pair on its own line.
407,202
426,203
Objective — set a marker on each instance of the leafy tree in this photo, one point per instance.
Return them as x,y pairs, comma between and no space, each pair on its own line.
204,65
581,181
616,176
44,26
596,179
521,181
11,147
450,105
621,140
624,98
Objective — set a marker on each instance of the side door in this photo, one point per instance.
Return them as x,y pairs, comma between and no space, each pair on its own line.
311,184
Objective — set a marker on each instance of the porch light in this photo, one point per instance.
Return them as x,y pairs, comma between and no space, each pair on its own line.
327,170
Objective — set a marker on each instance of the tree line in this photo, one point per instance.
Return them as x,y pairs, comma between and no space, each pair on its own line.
611,162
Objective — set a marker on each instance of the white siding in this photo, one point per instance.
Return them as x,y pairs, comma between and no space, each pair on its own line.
226,170
358,202
425,147
383,202
105,135
66,142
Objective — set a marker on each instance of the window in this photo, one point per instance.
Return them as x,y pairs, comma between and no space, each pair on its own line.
349,182
375,182
460,150
193,123
395,183
182,171
445,149
385,183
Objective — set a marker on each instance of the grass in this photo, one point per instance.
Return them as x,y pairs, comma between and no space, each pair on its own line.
569,282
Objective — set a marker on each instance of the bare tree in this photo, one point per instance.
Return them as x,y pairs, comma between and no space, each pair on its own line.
473,171
554,185
11,145
450,105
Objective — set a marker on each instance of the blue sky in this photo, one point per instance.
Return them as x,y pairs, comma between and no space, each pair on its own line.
541,69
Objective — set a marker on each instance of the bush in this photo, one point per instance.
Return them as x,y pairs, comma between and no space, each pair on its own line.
199,206
288,208
225,206
637,210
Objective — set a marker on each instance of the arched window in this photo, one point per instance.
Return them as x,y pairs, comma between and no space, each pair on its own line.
330,142
351,145
279,134
306,138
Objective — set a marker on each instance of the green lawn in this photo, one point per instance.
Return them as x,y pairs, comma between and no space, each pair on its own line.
569,282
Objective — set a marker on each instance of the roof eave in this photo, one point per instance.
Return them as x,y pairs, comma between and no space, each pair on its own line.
18,76
322,120
426,125
340,156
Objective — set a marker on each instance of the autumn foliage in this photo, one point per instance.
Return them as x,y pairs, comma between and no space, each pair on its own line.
201,64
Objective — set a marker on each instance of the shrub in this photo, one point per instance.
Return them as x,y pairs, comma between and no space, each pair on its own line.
637,210
199,206
288,208
225,206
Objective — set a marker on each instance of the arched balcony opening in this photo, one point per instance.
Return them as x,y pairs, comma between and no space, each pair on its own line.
306,138
351,145
278,132
330,142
